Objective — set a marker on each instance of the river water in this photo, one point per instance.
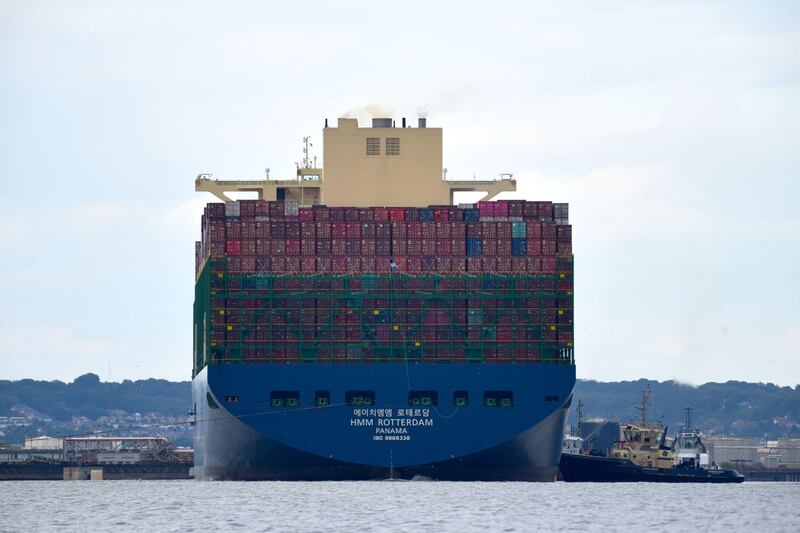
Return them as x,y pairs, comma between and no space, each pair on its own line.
395,506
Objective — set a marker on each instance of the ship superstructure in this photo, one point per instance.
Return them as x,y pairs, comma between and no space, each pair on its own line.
353,323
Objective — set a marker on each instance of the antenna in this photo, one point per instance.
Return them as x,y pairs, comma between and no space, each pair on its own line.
306,144
642,407
688,417
266,170
580,416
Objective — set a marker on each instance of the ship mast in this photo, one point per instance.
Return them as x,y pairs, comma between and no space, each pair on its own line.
643,405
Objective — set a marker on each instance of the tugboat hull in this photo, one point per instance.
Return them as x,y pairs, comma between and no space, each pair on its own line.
610,469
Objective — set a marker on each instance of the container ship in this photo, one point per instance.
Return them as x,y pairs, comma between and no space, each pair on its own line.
353,323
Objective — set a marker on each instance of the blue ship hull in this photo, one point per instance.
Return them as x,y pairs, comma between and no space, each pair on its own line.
239,435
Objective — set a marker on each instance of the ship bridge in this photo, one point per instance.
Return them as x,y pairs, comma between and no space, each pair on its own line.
383,165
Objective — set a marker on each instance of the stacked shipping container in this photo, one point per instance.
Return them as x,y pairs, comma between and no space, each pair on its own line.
485,282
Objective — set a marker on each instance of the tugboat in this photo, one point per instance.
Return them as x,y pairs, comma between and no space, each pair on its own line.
642,454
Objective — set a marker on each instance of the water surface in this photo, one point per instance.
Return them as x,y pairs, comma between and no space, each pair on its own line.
395,506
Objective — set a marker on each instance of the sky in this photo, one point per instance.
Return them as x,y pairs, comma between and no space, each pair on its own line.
671,128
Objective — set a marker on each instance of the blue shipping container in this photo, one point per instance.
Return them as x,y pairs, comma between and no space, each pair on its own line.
474,247
519,246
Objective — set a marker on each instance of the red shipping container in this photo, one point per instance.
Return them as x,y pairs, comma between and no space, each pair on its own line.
414,247
504,246
305,214
443,264
486,209
530,210
490,247
367,230
534,247
353,264
234,265
414,230
501,208
339,263
458,230
249,247
544,209
233,247
217,249
548,265
443,230
292,247
516,208
323,230
262,229
247,207
248,263
534,264
458,246
321,213
339,246
339,230
382,264
396,214
380,214
353,247
414,263
440,214
533,230
504,264
382,247
323,247
383,230
548,231
549,247
368,246
323,264
308,264
398,230
474,230
292,230
233,229
444,247
399,247
474,264
308,247
519,264
308,230
353,230
458,263
278,246
368,264
293,264
277,229
503,230
278,263
488,264
428,230
429,246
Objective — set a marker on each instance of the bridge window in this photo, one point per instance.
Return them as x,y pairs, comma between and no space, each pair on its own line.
322,398
373,146
460,398
424,398
360,397
284,398
498,399
392,145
